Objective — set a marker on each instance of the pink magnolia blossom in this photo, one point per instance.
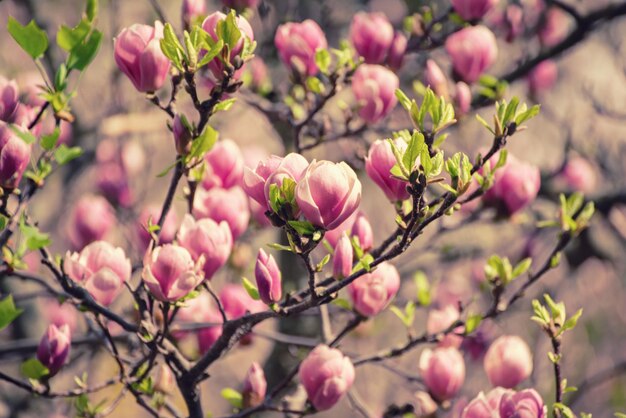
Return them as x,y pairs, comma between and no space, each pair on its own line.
543,77
14,157
326,375
485,406
224,165
473,9
170,272
372,35
443,371
439,320
374,87
472,51
362,229
254,386
397,51
152,213
297,43
462,98
9,96
230,205
378,165
268,277
54,348
206,239
138,55
216,66
343,258
508,361
578,174
436,79
101,268
90,220
524,404
372,292
328,193
555,28
191,10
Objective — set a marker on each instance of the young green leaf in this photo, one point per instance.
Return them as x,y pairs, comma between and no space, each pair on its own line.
8,312
34,369
31,37
251,289
84,53
233,397
68,38
64,154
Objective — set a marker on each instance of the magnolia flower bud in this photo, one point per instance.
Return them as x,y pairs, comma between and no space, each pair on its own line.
14,157
297,43
216,66
362,229
395,57
374,87
182,135
170,273
514,20
200,309
342,258
472,51
372,292
90,220
9,99
542,77
138,55
517,185
526,403
164,381
54,348
328,193
508,361
268,278
236,301
255,181
579,175
462,98
378,164
60,314
332,236
100,268
191,10
254,386
473,9
485,406
435,79
372,35
443,371
326,375
207,239
152,213
555,27
230,205
224,165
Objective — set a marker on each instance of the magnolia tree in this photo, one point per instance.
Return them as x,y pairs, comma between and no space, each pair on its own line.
168,300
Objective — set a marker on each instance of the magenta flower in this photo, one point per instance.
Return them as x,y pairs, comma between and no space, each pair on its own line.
254,386
14,157
362,229
436,79
472,51
372,35
326,375
230,205
524,404
439,320
328,193
224,166
443,371
374,87
90,220
372,292
516,185
100,268
473,9
236,301
578,174
462,98
268,278
191,10
138,55
508,361
297,43
485,406
208,240
9,99
342,258
543,77
170,273
395,57
555,28
216,66
378,164
54,348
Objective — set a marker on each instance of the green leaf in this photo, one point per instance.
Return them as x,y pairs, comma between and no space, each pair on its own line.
214,50
23,134
233,397
91,10
485,124
167,169
228,31
322,263
3,222
529,114
64,154
280,247
413,150
522,267
342,303
68,38
403,99
224,105
422,287
34,238
302,227
31,37
171,47
472,322
84,53
8,312
322,59
315,85
572,321
251,289
49,141
34,369
203,143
